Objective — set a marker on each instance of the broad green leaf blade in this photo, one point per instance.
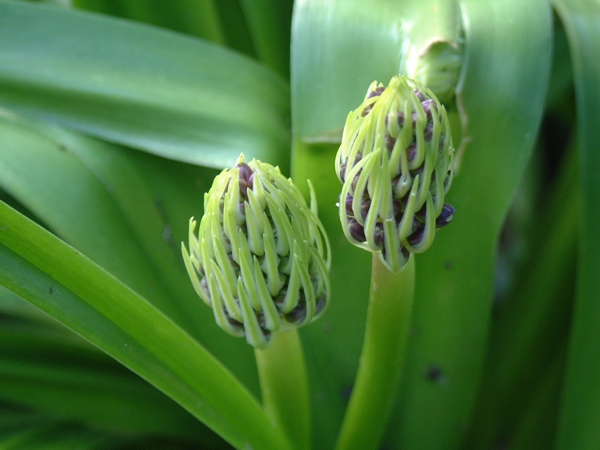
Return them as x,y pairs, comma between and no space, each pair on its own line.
45,169
579,425
56,436
501,95
126,210
194,17
140,86
503,103
53,370
55,277
339,47
110,402
531,323
269,22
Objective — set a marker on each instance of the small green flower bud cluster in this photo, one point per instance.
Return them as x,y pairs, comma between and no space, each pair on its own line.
396,165
439,69
261,257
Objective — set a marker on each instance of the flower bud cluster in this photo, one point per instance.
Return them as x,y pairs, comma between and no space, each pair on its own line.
396,165
261,257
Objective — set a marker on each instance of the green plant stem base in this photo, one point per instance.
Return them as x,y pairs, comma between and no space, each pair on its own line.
388,322
284,387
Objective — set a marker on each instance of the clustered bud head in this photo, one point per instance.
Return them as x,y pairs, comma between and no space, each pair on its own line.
261,257
396,165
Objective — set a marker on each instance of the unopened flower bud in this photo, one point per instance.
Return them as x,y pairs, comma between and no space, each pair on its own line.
438,68
261,257
396,165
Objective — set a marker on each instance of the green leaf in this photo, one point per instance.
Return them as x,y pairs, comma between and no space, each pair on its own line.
140,86
126,210
501,105
579,425
95,305
45,169
270,22
195,17
51,369
338,49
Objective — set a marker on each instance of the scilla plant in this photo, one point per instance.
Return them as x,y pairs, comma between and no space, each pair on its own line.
117,117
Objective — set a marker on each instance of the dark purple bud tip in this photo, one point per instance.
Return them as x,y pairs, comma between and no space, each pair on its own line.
419,95
280,298
260,316
349,210
428,132
405,252
421,213
418,170
411,152
204,286
427,106
357,231
397,116
379,235
320,304
366,110
445,216
397,208
365,206
231,320
298,314
343,171
416,237
245,172
389,142
376,92
355,181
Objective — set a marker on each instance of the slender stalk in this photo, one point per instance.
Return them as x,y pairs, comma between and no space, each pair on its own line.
382,357
284,387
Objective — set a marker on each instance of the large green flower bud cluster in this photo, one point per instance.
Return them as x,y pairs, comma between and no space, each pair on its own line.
396,165
261,257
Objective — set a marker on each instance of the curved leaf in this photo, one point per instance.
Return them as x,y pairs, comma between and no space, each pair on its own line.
59,280
147,88
126,210
501,94
579,425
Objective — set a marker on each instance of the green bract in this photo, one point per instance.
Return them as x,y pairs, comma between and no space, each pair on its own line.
396,165
261,257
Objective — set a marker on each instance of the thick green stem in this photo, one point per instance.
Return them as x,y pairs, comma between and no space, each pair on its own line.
388,322
284,387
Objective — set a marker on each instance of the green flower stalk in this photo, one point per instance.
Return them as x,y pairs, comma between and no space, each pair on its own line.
396,165
261,257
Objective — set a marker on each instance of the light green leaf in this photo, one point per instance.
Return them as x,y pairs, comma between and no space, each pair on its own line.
501,95
140,86
269,22
340,47
55,277
579,425
194,17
